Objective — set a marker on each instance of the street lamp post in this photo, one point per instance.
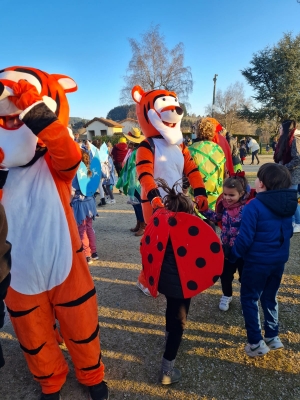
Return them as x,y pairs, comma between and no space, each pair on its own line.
214,95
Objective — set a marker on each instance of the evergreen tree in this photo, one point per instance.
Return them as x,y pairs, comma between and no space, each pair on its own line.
275,78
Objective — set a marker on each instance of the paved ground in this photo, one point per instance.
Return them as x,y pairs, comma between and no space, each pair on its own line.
254,168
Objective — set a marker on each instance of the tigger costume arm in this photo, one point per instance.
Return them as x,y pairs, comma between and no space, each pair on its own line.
64,152
145,170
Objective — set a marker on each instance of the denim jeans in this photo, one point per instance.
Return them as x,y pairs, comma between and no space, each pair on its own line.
296,217
138,207
260,282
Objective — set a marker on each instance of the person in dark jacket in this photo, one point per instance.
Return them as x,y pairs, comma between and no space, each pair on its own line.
118,154
263,242
243,151
5,265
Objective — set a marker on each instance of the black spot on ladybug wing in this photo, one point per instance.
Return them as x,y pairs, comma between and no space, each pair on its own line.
151,280
147,239
156,221
150,258
192,285
193,230
160,246
200,262
215,278
181,251
215,247
172,221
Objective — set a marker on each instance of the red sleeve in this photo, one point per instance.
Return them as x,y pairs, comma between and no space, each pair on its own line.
219,139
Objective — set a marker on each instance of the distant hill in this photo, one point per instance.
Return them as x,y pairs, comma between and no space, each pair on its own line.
77,123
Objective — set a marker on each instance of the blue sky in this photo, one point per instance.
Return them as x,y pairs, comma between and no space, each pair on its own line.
88,40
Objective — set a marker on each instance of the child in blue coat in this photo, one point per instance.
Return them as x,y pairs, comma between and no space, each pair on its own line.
263,242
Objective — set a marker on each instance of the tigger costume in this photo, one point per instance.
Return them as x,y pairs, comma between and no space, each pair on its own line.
159,116
49,273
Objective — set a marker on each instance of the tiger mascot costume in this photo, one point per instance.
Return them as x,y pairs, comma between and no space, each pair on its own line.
162,154
50,275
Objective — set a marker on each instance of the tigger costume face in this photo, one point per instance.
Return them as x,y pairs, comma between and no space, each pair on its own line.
19,144
159,113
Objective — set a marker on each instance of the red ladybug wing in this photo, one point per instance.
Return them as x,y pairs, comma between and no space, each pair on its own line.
153,247
198,252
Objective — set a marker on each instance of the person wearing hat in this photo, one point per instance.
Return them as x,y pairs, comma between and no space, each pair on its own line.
128,181
118,154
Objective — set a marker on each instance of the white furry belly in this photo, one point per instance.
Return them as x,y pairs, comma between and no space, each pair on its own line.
37,229
168,163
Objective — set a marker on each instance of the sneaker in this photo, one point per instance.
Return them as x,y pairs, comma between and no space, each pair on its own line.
257,350
99,391
274,343
143,288
95,256
224,303
169,374
51,396
111,201
296,228
89,260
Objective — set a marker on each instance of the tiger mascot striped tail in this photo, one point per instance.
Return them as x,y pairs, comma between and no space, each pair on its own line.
163,154
50,275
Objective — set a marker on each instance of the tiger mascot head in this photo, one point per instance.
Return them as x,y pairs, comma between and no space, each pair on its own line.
159,113
17,142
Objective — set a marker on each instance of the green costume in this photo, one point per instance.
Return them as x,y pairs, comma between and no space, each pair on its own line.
210,160
128,181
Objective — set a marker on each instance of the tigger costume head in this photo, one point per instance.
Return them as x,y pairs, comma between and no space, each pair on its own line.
159,113
19,145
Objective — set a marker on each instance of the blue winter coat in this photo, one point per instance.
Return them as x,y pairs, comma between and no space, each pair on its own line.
266,228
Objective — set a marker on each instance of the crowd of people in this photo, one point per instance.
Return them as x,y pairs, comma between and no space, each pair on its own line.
180,195
240,212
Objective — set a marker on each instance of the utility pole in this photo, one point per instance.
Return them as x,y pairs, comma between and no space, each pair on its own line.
214,95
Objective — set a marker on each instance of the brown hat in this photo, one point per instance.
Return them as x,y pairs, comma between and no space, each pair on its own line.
134,136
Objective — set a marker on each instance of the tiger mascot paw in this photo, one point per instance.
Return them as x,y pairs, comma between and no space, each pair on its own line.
157,203
202,203
25,94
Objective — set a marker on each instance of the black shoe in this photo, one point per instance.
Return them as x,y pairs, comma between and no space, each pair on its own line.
99,392
95,256
51,396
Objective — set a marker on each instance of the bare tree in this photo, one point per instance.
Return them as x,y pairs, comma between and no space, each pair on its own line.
154,66
227,105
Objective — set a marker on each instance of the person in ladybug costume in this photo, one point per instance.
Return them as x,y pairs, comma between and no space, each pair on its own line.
175,265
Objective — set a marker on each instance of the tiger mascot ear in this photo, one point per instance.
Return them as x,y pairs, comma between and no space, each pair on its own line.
137,93
67,83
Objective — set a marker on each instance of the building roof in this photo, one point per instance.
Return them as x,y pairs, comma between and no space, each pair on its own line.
129,119
108,122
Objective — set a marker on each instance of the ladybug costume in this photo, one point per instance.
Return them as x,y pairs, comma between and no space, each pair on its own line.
197,251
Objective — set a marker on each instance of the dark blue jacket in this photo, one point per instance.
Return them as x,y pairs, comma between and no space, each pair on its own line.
266,228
